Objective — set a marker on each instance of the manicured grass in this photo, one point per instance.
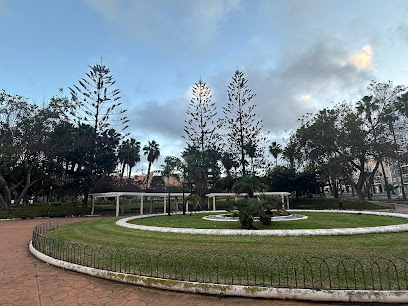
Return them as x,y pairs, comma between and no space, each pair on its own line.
316,220
105,232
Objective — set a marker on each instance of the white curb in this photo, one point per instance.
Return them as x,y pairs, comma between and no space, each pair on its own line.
294,232
366,296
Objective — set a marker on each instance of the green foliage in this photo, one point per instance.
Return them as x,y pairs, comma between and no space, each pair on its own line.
249,209
199,165
200,128
152,151
96,102
275,149
243,128
248,185
223,185
194,201
129,154
157,182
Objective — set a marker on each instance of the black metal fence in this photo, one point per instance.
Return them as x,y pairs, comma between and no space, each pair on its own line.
266,271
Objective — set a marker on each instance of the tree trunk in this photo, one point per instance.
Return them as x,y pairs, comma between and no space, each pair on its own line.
200,181
25,189
123,169
148,173
6,201
404,197
359,186
335,188
385,181
370,180
85,199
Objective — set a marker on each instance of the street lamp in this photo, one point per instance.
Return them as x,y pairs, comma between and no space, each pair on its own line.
49,202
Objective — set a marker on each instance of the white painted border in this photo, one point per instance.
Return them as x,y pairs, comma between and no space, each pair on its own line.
367,296
282,233
235,219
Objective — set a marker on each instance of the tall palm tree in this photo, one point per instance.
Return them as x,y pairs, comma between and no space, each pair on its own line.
250,150
123,152
129,154
275,149
228,162
152,151
134,154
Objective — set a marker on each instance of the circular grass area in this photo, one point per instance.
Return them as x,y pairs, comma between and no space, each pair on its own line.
316,220
105,232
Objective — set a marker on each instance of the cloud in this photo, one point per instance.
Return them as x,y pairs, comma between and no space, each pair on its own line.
362,59
305,97
169,24
300,83
162,122
154,118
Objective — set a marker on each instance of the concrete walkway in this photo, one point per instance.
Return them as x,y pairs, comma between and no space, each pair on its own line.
25,280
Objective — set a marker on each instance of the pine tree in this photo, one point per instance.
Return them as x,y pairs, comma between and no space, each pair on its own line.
202,138
241,122
200,128
97,105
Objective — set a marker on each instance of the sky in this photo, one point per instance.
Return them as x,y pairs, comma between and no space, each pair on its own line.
298,55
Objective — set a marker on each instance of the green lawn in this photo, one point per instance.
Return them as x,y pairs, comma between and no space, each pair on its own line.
316,220
272,261
105,232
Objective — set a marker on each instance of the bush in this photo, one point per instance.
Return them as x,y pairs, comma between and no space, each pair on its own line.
249,209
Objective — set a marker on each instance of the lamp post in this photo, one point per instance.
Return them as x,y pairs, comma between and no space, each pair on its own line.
168,195
49,202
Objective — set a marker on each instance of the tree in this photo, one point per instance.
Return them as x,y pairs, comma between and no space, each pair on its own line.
401,108
289,153
275,149
249,185
97,106
377,108
228,162
251,150
152,151
201,154
241,122
129,154
196,169
171,165
25,132
16,147
345,137
200,128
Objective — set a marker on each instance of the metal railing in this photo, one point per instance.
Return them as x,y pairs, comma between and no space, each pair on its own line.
265,271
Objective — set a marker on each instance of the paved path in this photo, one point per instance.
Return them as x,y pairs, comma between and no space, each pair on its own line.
25,280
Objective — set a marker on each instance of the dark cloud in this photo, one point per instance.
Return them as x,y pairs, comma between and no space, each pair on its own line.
166,119
300,84
321,73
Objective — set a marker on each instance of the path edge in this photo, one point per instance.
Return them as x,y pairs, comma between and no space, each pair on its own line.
366,296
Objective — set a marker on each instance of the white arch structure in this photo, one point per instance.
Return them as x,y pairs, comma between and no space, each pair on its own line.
165,195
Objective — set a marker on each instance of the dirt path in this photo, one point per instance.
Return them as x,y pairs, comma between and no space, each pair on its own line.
25,280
